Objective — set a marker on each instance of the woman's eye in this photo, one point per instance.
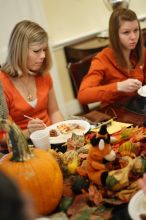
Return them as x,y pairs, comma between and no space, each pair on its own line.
136,30
35,51
38,51
126,32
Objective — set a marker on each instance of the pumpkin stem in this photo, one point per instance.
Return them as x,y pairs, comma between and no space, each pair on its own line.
20,148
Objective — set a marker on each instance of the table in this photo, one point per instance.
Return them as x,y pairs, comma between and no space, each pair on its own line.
121,212
124,115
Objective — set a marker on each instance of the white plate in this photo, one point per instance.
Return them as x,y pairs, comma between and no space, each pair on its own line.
62,138
137,205
142,91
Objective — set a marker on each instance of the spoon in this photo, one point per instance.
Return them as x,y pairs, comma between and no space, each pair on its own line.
26,116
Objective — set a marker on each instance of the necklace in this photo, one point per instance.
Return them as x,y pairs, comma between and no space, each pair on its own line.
26,88
29,97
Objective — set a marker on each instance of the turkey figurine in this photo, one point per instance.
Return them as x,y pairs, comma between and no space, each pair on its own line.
100,152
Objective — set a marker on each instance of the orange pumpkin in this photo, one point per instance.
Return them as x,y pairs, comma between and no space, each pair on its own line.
36,171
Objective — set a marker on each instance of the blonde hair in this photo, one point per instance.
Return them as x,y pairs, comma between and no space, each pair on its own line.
116,18
24,34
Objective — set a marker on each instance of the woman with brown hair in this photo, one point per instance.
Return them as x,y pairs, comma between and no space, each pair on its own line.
118,71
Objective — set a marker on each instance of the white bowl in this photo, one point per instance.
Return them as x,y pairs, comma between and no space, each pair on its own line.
40,139
142,91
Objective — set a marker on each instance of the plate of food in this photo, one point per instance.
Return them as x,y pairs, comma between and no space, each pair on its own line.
61,131
137,206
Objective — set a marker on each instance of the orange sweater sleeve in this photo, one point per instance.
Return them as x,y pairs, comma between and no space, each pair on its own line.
100,83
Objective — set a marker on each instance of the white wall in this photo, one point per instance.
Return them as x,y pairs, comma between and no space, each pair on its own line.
13,11
71,19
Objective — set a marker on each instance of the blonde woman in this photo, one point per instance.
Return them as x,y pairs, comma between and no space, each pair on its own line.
26,80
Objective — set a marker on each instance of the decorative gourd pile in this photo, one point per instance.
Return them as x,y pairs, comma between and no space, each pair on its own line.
36,171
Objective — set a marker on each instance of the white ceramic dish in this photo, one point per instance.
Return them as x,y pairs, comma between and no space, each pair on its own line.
137,205
62,138
142,91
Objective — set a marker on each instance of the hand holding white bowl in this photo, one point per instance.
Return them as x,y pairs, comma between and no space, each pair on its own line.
142,91
129,85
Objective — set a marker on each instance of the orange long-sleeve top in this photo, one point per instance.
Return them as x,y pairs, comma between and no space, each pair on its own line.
100,83
18,106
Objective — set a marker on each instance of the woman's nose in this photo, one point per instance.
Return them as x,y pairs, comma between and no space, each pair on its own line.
133,35
42,54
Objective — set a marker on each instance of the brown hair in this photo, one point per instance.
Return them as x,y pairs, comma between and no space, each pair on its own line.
119,15
24,34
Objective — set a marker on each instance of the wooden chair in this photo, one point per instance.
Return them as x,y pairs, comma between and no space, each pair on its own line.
77,71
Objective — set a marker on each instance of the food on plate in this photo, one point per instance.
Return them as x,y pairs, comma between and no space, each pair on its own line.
66,128
60,132
53,133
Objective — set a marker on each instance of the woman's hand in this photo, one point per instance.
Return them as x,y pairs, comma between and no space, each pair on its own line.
35,124
129,85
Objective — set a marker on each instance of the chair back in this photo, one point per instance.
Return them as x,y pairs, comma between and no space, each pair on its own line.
77,71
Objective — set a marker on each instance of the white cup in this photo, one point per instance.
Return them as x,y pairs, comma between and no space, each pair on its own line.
40,139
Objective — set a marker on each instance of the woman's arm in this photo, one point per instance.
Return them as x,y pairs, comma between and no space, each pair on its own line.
106,82
53,109
100,83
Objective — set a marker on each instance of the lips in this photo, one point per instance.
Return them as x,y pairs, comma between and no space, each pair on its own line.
39,64
133,44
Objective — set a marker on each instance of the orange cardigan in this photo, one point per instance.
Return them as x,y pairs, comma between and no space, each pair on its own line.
18,106
100,83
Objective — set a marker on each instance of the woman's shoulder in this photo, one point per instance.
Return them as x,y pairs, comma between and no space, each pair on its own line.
45,76
107,51
3,76
45,79
106,55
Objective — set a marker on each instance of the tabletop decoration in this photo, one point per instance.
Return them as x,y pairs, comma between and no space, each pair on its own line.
98,171
35,170
110,182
